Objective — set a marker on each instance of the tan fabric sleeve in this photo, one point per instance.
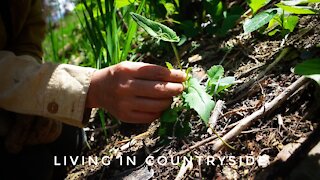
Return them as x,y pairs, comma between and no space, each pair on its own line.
49,90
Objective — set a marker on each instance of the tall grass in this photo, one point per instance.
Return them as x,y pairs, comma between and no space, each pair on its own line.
104,31
110,43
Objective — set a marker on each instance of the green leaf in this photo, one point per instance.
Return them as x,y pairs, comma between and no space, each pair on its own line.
298,2
297,9
198,99
169,116
258,21
216,82
225,83
309,68
273,32
155,29
215,72
273,23
169,65
171,9
290,22
122,3
255,5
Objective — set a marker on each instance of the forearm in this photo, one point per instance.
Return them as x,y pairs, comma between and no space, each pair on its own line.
49,90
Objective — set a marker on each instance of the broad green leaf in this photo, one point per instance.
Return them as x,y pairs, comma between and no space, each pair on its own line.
258,21
298,2
290,22
198,99
255,5
169,116
216,82
155,29
273,23
215,72
310,69
225,83
297,9
122,3
183,39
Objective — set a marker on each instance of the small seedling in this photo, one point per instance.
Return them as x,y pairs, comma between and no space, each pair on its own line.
282,19
194,96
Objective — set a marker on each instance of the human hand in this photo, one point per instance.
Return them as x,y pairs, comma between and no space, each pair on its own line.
31,130
134,92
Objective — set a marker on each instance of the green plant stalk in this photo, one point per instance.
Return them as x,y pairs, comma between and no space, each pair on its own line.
53,44
220,138
103,123
176,53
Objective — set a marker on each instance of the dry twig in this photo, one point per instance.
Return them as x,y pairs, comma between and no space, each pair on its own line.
215,115
267,108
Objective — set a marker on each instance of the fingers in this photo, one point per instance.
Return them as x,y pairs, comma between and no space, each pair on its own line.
155,89
159,73
133,91
153,72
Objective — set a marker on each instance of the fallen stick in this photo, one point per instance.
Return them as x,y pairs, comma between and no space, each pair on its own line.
255,116
262,74
197,144
267,108
186,166
215,115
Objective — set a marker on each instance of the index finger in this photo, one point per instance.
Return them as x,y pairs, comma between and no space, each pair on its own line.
158,73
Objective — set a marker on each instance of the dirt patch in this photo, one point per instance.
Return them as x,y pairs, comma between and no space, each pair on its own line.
245,57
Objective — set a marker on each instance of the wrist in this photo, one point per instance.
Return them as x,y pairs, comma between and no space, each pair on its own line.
91,100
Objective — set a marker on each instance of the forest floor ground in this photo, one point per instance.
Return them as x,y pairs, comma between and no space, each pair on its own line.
263,69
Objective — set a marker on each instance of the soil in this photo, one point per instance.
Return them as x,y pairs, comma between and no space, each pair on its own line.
243,56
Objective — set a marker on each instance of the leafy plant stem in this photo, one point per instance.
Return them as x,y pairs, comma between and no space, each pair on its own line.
103,123
176,53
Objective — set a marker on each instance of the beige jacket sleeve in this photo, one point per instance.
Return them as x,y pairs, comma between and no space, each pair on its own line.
48,90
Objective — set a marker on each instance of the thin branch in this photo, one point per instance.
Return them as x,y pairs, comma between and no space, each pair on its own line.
267,108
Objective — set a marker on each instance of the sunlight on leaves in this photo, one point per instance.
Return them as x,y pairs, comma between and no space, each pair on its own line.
258,21
255,5
198,99
297,9
155,29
